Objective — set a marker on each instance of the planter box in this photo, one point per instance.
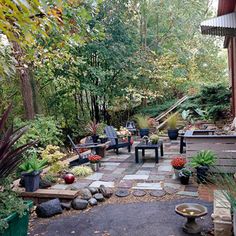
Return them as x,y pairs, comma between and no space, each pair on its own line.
224,146
18,225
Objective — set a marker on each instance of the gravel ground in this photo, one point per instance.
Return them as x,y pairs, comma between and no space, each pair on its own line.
131,216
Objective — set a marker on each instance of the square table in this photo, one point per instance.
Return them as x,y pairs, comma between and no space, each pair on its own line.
143,146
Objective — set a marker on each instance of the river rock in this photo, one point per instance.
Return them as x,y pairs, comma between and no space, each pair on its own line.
49,208
66,205
79,204
99,197
92,201
106,192
93,190
85,194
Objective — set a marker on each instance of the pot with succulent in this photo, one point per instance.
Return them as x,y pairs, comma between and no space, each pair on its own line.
202,162
14,214
92,128
178,164
184,176
31,169
154,138
95,162
143,125
173,132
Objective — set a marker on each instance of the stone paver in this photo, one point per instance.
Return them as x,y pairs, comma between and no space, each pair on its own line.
150,165
97,184
165,168
125,184
119,170
189,194
136,177
154,186
95,176
143,172
171,185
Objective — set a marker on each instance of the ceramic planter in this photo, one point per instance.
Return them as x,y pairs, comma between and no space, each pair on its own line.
202,172
144,132
184,179
173,134
95,138
95,166
18,225
31,181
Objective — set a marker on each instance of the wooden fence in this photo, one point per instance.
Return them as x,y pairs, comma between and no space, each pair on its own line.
224,146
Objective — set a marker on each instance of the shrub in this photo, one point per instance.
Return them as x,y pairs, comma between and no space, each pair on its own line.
172,121
81,171
58,168
142,121
52,154
43,129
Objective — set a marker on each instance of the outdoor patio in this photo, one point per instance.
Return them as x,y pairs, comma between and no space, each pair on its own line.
121,172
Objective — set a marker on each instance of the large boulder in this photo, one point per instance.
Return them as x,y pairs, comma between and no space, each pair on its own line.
49,208
85,194
79,204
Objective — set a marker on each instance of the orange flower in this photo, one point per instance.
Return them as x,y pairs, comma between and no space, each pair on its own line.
94,158
178,162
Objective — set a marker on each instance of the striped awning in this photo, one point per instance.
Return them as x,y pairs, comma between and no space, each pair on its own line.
222,25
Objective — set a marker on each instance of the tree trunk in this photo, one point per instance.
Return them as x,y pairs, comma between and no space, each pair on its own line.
26,87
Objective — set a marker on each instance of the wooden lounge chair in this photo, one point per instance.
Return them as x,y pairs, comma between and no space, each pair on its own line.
130,125
81,158
115,142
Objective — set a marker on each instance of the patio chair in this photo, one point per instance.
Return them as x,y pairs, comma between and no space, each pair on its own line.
81,158
130,125
115,142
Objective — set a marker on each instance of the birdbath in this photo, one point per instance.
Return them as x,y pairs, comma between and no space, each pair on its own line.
191,211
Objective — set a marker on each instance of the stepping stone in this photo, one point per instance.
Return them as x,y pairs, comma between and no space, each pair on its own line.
171,185
187,193
158,193
95,176
165,168
97,184
143,172
150,165
122,193
139,193
170,190
136,177
151,186
125,184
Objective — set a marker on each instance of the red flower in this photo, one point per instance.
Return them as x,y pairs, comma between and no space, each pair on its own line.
94,158
178,162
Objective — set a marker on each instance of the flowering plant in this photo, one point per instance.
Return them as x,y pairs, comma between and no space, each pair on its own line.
178,162
94,158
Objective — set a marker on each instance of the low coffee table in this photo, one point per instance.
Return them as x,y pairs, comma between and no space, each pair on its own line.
144,146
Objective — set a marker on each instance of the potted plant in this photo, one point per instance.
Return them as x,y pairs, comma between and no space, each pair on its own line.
92,127
14,213
94,162
173,132
143,125
178,163
154,138
184,176
202,162
31,170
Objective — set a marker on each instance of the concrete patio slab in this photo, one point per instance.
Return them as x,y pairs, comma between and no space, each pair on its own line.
136,177
95,176
148,186
97,184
